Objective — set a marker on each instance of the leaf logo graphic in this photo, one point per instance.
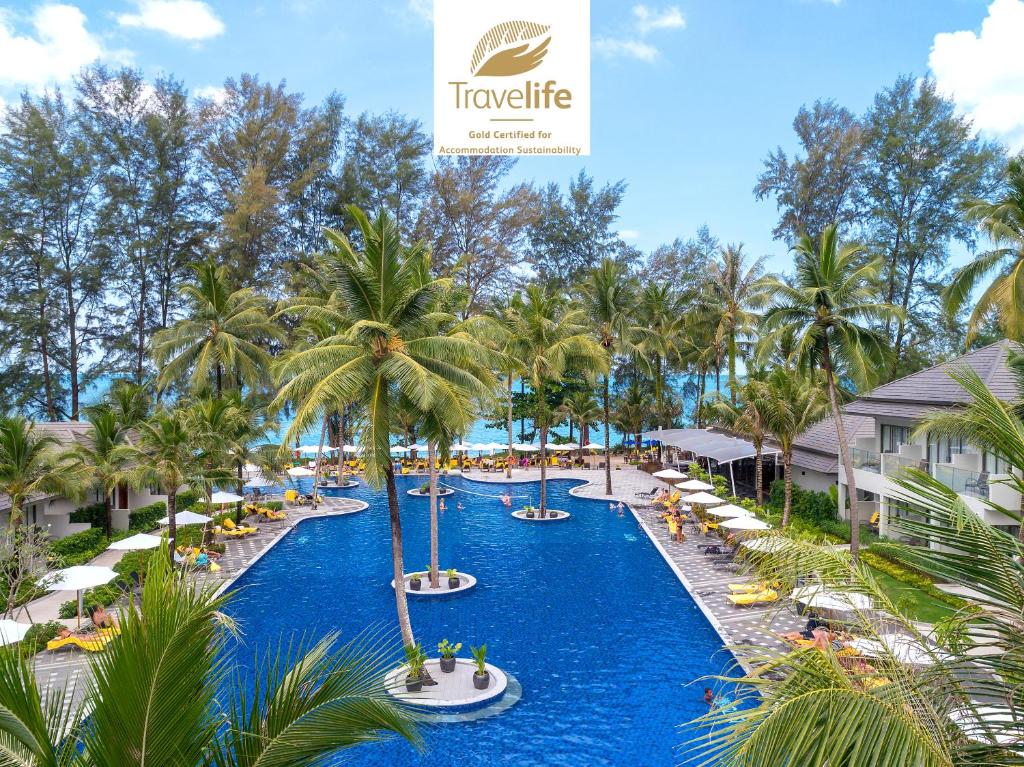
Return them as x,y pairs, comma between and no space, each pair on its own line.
505,49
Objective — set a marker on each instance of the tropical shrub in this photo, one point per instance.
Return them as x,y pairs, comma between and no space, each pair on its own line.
93,514
37,636
145,518
807,504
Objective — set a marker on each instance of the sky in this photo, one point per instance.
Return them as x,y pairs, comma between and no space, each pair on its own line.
688,97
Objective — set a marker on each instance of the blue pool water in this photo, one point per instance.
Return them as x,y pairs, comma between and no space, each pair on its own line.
603,638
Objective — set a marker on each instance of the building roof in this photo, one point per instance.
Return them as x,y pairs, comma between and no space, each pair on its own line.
67,433
915,395
816,448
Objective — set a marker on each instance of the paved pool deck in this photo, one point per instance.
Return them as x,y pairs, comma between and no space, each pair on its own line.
749,631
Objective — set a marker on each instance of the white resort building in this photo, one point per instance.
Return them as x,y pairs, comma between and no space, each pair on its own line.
53,512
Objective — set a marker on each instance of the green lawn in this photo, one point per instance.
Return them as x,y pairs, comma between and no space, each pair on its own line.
914,602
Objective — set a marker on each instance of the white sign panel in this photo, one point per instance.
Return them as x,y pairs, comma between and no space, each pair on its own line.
512,78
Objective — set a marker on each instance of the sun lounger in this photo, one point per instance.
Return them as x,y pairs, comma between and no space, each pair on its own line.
230,526
90,642
760,598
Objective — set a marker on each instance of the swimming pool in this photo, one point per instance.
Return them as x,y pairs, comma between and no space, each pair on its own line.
603,638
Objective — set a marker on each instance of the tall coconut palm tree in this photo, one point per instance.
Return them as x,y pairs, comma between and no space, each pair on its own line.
389,350
734,292
99,459
746,417
608,300
787,404
1002,219
222,337
829,308
31,463
167,453
498,327
659,331
581,407
156,694
552,341
632,411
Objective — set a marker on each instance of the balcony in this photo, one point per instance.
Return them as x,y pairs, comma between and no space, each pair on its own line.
867,460
963,481
894,464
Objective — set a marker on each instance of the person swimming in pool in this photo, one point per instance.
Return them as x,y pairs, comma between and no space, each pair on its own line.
506,500
459,506
441,505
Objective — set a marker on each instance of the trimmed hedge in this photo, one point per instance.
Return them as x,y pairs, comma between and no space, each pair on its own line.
94,514
79,548
877,557
144,518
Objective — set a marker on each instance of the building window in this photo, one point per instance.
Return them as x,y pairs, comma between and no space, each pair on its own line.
993,463
942,449
893,437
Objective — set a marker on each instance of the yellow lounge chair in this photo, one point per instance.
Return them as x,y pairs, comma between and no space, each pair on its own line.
228,533
92,643
291,496
760,598
230,525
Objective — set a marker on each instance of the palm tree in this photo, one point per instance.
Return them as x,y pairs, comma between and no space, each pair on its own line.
30,463
167,454
553,340
830,310
155,694
788,404
632,412
581,407
660,321
99,457
499,327
1003,220
747,417
389,350
130,403
608,298
221,336
960,705
734,292
987,423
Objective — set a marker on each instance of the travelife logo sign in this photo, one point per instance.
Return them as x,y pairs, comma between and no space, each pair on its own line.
512,78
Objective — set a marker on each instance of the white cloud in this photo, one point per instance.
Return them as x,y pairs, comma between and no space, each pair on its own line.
214,93
984,71
423,8
629,234
187,19
58,47
648,20
631,42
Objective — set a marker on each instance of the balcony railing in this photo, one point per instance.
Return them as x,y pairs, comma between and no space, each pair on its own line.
868,460
894,464
962,481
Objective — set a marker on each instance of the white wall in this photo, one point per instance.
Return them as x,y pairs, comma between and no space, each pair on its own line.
809,479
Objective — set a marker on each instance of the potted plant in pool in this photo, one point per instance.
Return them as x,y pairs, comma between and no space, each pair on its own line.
448,652
481,677
530,513
415,660
453,578
425,488
415,581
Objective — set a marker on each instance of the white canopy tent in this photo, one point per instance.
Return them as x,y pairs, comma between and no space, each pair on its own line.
710,445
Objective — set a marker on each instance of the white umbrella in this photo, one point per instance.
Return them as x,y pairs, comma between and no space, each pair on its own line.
419,448
702,499
259,481
671,474
398,450
300,471
78,579
560,448
12,631
745,523
496,446
988,724
139,541
765,545
251,470
730,510
593,446
352,449
222,497
524,447
186,518
462,447
571,446
901,647
695,485
826,599
313,449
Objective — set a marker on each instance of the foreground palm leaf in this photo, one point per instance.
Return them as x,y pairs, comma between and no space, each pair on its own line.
152,695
